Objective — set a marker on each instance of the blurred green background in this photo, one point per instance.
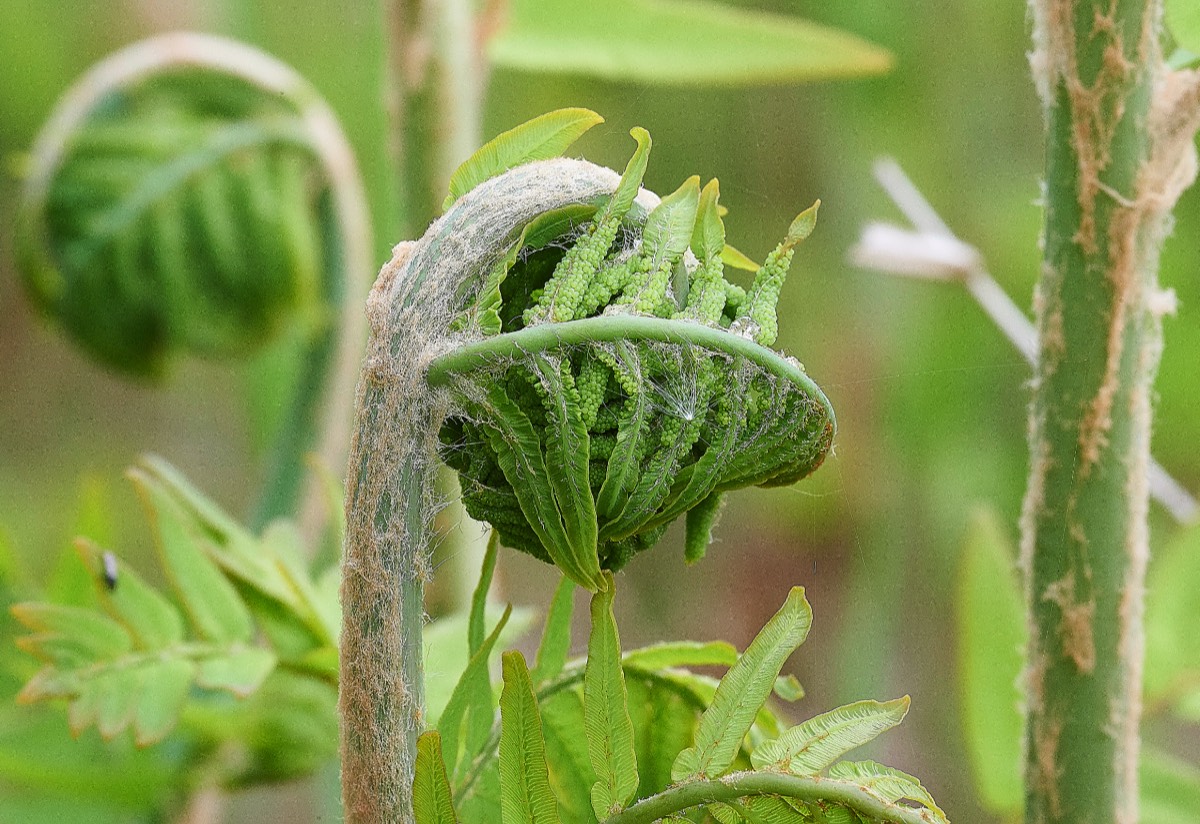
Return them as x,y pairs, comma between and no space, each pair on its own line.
930,398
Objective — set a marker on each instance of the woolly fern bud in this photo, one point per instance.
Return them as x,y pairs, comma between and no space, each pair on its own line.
581,426
178,201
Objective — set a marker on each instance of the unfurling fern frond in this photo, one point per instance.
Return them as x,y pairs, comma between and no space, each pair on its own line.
179,206
570,342
604,382
192,195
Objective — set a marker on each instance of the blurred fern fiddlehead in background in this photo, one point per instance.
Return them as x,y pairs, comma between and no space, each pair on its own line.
191,195
569,343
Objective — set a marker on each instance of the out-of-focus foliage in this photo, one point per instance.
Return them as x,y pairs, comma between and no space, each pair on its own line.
676,41
183,211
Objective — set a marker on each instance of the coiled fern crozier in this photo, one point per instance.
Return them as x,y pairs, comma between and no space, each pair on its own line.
191,195
568,342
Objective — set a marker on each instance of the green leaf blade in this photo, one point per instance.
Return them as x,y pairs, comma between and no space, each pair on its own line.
151,619
810,747
240,671
542,138
70,635
210,600
476,628
606,711
682,654
526,797
465,723
432,801
672,42
743,691
163,694
887,783
556,636
670,225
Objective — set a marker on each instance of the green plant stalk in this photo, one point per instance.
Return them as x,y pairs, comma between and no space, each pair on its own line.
434,97
390,489
737,785
1114,168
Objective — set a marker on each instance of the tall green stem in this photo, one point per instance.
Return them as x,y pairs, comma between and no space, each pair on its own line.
390,489
1114,167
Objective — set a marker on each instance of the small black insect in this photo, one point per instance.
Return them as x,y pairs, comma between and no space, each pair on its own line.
110,570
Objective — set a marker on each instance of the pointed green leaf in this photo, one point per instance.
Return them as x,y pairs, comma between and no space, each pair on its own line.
117,691
211,602
708,235
668,229
539,139
153,621
556,637
743,691
808,748
467,720
606,711
682,654
727,813
770,809
802,226
476,630
525,795
567,465
432,801
887,783
240,671
163,693
519,454
669,41
990,620
445,642
738,260
631,179
70,635
624,464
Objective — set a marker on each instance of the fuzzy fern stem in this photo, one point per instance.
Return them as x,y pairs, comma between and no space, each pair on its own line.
390,485
1115,165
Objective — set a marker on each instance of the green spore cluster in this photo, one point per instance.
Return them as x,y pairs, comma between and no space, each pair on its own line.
581,447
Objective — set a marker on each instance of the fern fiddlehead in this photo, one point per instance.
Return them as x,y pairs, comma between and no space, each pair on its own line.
543,338
193,195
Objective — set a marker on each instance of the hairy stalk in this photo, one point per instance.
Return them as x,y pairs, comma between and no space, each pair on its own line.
390,488
743,784
1118,155
435,100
